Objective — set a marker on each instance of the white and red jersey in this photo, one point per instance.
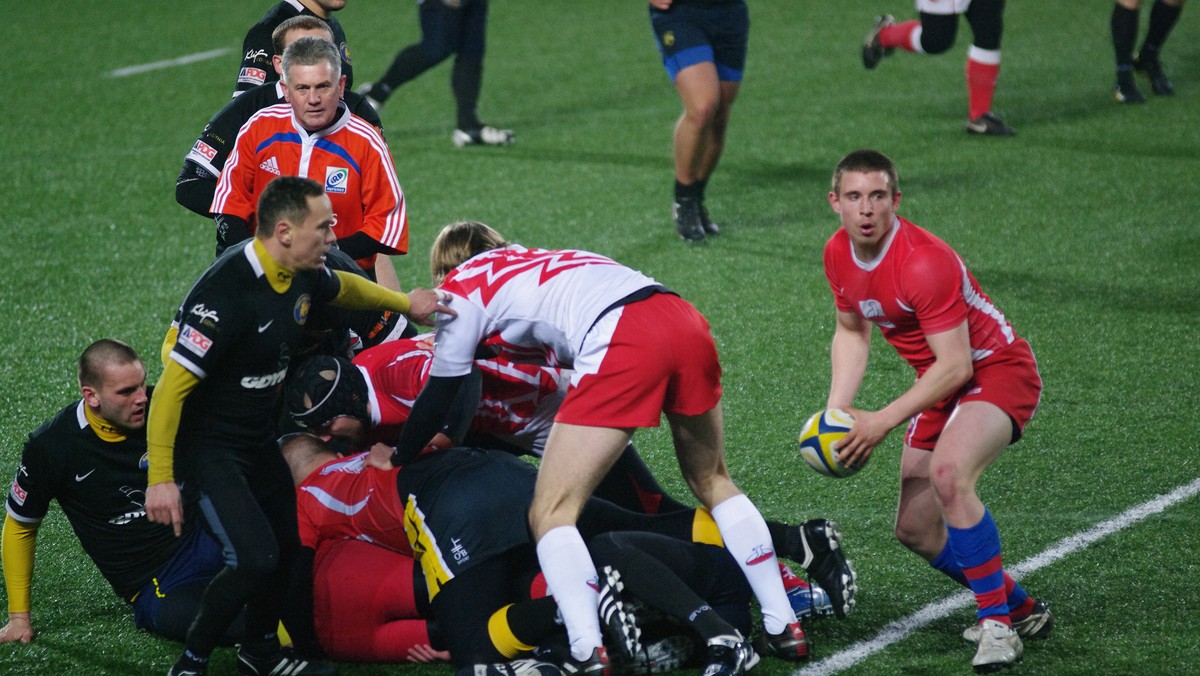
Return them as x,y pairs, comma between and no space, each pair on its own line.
917,287
530,305
349,158
518,401
345,499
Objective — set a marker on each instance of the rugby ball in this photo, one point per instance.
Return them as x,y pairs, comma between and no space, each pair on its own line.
818,438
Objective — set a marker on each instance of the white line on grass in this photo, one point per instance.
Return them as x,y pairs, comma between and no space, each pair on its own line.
170,63
901,628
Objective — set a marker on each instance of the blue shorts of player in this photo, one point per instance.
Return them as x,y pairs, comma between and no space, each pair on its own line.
697,32
167,603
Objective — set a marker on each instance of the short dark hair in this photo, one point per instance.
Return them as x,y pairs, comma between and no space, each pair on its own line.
310,51
100,354
285,199
304,22
865,161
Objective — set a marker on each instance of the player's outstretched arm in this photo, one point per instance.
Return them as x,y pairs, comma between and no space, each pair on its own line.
17,546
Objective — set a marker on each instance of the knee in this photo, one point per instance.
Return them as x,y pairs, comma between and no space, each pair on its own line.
436,51
909,534
950,483
704,113
257,562
936,42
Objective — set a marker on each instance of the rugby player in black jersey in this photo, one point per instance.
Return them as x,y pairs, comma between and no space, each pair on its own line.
256,68
91,458
213,428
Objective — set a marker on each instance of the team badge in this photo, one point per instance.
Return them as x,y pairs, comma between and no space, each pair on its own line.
336,179
195,341
300,311
668,39
872,310
144,462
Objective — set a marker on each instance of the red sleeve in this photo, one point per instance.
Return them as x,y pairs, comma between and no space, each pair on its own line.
932,285
385,217
831,267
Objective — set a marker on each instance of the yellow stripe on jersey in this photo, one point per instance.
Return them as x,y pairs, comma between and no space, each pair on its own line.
704,529
425,548
501,634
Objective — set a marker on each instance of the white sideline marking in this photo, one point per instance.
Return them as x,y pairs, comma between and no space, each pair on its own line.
901,628
170,63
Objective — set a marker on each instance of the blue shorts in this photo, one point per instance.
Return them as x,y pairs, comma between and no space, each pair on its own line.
195,563
692,33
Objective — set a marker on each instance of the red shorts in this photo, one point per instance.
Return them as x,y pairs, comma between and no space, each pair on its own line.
640,360
1009,380
364,607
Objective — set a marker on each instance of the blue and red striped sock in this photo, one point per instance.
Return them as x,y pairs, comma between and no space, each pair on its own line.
977,551
1020,603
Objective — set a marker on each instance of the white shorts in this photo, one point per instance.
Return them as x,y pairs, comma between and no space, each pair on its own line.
943,6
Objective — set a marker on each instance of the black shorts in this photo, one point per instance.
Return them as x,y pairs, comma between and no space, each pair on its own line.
692,33
464,507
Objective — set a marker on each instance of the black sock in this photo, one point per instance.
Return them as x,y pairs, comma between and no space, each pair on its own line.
466,80
191,660
693,191
1162,20
1124,35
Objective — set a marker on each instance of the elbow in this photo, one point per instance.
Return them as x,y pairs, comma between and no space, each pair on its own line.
962,373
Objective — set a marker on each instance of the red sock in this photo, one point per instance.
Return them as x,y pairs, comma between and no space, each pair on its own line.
790,579
899,35
981,86
1022,611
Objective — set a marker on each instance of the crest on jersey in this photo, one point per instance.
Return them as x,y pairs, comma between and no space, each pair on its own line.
336,179
300,310
872,311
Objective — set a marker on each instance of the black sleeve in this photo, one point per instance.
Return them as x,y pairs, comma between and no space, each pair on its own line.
463,408
360,245
230,231
428,416
195,187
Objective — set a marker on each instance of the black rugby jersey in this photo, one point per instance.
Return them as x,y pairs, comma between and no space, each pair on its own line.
238,335
257,49
101,487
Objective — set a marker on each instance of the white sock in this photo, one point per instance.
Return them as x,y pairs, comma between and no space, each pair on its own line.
749,542
572,579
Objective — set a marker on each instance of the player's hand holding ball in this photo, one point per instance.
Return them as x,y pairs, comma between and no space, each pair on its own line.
819,439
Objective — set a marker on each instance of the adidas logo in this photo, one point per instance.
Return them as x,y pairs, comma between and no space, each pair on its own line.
270,165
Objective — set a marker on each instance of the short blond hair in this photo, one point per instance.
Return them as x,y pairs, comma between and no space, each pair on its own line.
459,241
